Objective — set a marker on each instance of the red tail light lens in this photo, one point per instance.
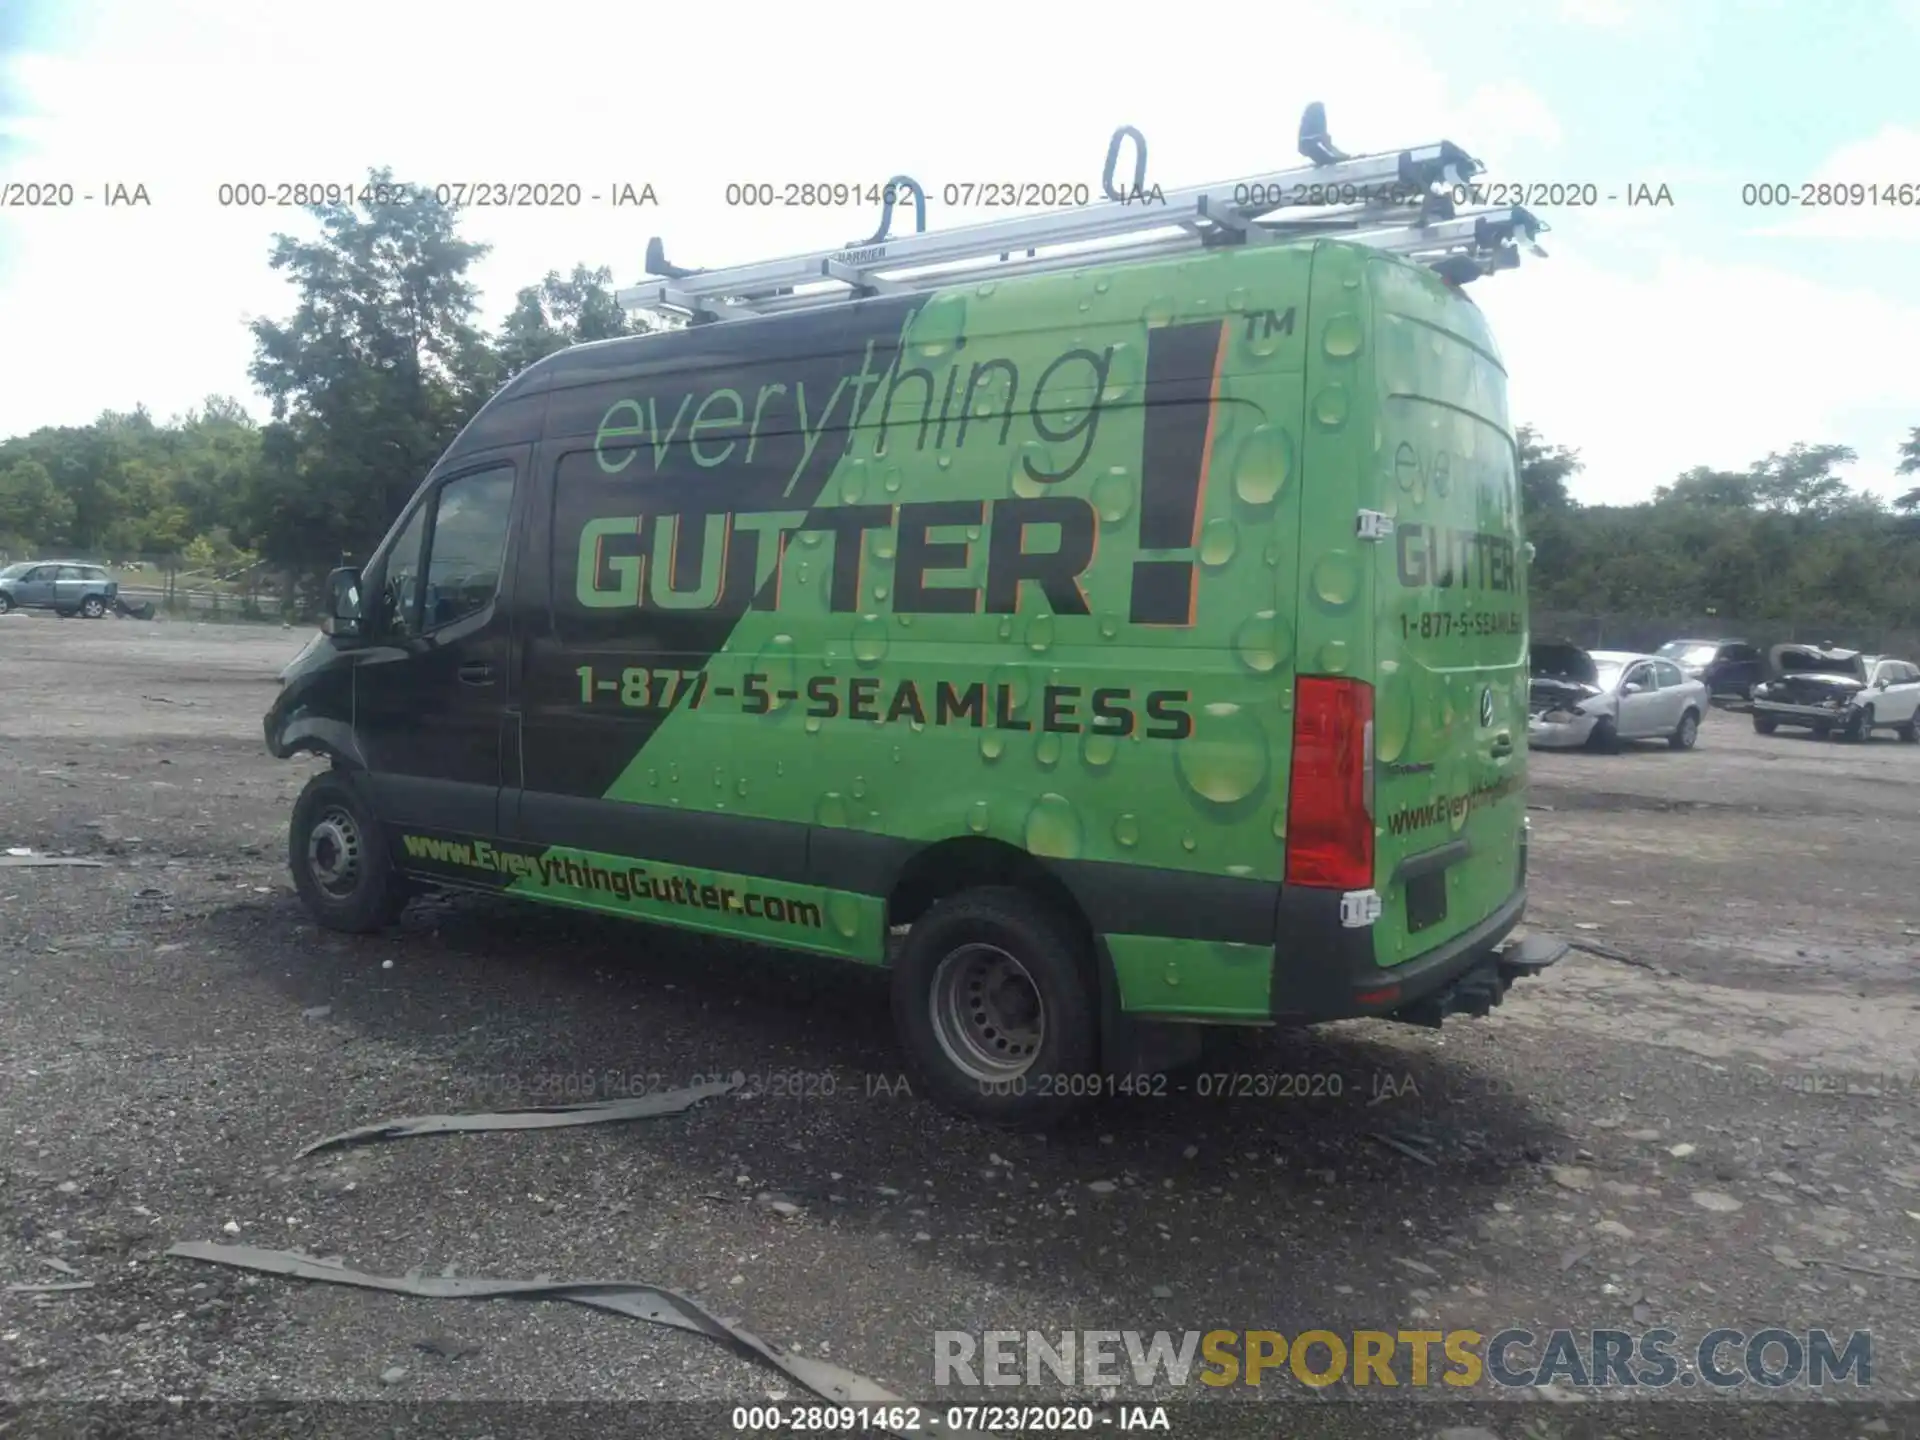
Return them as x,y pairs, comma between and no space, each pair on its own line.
1329,804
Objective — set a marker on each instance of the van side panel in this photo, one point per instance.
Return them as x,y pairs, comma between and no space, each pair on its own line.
1022,576
1451,624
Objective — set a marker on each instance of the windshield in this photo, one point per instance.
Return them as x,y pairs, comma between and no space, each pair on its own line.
1688,652
16,570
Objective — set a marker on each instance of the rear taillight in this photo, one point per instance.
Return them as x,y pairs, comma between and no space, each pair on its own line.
1330,799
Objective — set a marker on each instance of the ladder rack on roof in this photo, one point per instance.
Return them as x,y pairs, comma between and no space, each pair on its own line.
1400,202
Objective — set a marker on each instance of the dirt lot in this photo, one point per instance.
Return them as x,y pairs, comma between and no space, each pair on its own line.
1718,1129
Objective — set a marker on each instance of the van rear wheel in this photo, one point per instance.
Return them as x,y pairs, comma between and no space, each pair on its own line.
995,1006
339,859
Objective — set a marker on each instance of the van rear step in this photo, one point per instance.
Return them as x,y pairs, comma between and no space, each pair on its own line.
1476,991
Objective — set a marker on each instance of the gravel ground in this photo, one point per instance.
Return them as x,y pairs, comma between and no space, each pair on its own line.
1711,1124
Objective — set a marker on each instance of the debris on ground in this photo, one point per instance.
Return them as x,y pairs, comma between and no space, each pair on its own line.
635,1299
535,1117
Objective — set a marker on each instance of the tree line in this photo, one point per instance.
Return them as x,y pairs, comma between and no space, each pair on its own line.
382,361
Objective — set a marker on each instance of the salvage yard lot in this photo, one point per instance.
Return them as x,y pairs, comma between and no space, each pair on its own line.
173,1029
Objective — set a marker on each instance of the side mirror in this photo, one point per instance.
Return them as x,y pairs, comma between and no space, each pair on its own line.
1882,683
1633,687
343,619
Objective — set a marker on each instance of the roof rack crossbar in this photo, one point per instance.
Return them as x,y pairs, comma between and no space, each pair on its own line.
1400,202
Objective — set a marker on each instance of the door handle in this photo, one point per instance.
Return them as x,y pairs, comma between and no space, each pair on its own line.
477,672
1502,745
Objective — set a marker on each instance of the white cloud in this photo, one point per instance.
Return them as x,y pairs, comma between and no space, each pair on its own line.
1603,14
1877,195
1701,363
1679,362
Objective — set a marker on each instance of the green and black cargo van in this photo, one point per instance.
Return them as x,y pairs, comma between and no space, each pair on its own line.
1107,653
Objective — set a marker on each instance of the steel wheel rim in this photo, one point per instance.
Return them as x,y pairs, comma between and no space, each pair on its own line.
987,1013
1689,727
93,609
334,853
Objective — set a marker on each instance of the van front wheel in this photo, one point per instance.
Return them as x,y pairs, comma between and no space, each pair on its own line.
994,1002
339,859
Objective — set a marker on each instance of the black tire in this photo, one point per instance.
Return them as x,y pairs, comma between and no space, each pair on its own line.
1909,732
339,859
6,602
964,991
1822,732
1605,738
1859,725
93,607
1763,724
1686,732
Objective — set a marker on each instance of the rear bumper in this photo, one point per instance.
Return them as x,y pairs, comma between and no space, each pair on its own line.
1325,971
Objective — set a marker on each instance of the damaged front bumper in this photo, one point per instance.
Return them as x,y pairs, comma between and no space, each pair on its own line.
1573,731
1824,713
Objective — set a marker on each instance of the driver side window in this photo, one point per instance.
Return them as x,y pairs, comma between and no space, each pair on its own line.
1640,675
443,571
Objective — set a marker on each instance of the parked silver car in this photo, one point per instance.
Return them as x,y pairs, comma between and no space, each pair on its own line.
66,587
1598,698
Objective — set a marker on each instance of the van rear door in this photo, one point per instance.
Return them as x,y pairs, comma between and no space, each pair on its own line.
1450,618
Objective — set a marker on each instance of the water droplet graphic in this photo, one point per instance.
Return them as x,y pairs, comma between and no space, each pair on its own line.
1053,828
946,462
1123,374
985,288
1392,714
1040,633
1113,494
740,788
979,818
973,532
1101,286
1159,311
673,775
1273,554
812,538
1333,657
1030,456
1279,826
1262,465
1126,830
1189,843
859,787
653,779
890,479
1331,406
844,912
813,724
1046,750
1109,626
1237,298
992,747
1242,871
1264,642
1341,337
941,324
1218,540
777,661
1097,749
831,810
879,592
1005,628
880,544
1336,579
853,482
1226,758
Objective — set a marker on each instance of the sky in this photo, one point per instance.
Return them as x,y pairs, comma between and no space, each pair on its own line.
1653,339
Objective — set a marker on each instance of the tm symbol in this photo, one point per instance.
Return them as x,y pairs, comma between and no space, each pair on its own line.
1263,323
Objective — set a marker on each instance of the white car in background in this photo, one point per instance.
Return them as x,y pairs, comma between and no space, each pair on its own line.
1599,698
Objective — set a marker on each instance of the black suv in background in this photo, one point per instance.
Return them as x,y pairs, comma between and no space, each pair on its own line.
1725,667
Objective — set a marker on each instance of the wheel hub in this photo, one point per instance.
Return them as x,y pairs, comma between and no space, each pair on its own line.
333,853
987,1013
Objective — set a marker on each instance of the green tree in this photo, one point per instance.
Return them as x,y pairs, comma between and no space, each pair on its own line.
1909,465
370,378
33,511
559,312
1544,472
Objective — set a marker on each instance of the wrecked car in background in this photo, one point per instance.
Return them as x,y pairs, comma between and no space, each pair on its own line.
1727,667
1828,691
1599,698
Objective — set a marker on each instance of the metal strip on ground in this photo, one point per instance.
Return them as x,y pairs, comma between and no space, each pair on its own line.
635,1299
